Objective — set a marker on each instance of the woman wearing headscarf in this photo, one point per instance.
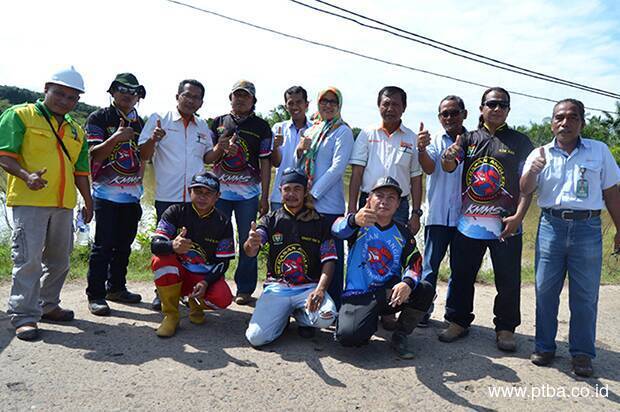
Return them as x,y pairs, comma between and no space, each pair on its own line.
491,214
323,153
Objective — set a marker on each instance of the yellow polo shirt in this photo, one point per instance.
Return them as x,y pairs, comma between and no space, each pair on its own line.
26,136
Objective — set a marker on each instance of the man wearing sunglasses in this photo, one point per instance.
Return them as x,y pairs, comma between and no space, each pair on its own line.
45,154
116,170
443,189
179,143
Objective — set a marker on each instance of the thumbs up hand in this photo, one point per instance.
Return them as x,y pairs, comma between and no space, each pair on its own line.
254,242
539,162
233,147
35,181
454,149
278,138
424,138
181,244
366,216
123,133
158,132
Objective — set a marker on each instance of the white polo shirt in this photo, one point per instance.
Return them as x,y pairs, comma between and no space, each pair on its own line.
381,154
179,155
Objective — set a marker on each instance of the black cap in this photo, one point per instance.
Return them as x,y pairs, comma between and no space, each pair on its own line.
127,80
205,179
292,175
387,181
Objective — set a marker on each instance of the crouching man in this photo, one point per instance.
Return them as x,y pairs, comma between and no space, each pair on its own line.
383,272
192,247
301,262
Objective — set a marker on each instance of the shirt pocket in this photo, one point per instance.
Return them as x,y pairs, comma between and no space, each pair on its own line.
403,157
590,170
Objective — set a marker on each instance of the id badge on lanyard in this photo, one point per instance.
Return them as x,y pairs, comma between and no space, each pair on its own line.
582,184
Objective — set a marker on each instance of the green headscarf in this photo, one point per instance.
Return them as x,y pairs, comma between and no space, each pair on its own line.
318,131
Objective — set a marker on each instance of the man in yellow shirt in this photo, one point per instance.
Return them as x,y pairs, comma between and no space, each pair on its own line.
46,156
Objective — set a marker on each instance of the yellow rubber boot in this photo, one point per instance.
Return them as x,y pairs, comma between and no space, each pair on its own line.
196,312
169,296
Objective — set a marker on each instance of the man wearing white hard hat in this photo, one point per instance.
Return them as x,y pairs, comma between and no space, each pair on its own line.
46,156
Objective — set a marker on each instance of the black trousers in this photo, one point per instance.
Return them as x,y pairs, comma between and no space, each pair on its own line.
359,314
465,261
115,230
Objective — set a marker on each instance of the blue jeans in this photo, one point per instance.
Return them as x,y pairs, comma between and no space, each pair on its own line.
437,239
402,213
465,261
245,213
573,247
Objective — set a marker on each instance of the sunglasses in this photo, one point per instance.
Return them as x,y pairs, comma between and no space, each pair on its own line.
127,90
450,113
493,104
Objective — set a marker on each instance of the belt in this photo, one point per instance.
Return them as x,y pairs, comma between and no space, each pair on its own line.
568,214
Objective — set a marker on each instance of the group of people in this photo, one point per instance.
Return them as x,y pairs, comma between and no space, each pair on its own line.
479,185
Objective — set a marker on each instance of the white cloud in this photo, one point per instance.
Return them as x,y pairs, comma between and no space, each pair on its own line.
163,43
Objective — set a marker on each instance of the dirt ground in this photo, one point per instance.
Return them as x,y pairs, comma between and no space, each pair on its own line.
118,363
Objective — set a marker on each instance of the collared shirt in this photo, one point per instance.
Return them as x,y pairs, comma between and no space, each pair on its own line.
443,189
290,141
382,154
26,136
492,165
240,175
591,160
118,178
331,162
179,155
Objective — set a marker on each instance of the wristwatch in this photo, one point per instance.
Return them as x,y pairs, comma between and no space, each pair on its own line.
417,212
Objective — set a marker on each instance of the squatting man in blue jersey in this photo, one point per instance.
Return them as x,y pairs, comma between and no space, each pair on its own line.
383,272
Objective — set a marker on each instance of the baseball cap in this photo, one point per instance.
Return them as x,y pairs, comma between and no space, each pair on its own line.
387,181
207,180
244,85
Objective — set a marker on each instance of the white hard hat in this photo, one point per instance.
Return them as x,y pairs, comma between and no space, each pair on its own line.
68,77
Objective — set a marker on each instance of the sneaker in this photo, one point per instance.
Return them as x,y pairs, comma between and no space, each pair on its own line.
542,358
243,299
306,332
59,315
99,307
582,366
424,322
27,332
400,343
506,341
389,322
123,296
156,304
452,333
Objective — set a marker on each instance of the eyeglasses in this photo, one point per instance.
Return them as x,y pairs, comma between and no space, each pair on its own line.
127,90
450,113
493,104
325,102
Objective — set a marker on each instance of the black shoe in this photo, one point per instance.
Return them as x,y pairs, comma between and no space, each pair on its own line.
542,358
156,304
27,332
99,307
306,332
424,322
123,296
400,343
59,315
582,366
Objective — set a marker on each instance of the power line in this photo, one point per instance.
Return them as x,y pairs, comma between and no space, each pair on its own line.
450,49
354,53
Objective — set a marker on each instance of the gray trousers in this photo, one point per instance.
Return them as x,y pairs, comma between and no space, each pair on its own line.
41,244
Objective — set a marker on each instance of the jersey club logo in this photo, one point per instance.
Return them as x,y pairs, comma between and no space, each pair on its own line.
124,159
485,179
291,264
380,259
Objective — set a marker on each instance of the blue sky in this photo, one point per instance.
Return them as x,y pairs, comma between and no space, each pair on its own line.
163,43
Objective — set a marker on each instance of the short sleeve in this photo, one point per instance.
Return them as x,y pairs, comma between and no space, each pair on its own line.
610,173
359,155
82,167
414,167
95,128
262,227
265,141
12,131
147,131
